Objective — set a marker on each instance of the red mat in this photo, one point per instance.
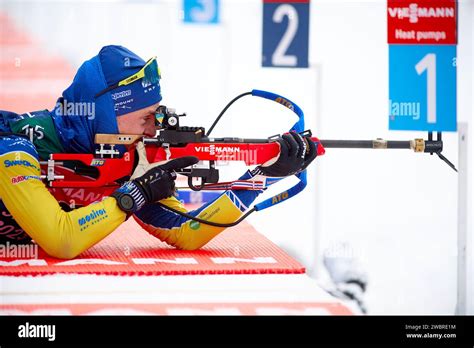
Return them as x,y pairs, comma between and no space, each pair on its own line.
132,251
282,308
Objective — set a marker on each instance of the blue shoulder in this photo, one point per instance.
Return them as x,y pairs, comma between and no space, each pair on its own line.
15,143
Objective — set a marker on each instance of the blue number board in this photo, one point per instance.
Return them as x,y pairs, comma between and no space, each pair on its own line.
285,33
422,87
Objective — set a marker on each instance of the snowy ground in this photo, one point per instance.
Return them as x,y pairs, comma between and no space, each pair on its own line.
223,294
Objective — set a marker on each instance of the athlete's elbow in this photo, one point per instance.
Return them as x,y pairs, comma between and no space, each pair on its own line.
66,244
188,242
190,247
196,239
62,252
61,248
67,255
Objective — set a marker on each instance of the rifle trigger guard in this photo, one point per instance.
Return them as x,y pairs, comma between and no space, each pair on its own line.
193,187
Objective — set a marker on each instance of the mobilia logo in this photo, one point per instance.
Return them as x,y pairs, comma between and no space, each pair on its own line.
94,215
413,12
213,149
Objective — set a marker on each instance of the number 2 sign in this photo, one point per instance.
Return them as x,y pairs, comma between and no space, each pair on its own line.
285,33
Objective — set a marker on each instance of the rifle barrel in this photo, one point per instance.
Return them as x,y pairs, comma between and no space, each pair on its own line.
368,144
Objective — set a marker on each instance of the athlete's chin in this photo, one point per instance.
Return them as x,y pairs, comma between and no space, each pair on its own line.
149,133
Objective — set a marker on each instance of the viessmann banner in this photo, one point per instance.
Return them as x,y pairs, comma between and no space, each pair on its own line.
422,37
422,22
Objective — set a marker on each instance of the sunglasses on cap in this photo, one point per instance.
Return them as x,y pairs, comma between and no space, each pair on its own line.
150,73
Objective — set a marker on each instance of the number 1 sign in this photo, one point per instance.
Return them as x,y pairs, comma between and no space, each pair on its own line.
422,87
285,33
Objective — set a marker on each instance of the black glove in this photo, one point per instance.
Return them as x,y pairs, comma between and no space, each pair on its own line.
296,153
156,184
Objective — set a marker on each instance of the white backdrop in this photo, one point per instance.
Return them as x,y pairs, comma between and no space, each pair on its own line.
398,209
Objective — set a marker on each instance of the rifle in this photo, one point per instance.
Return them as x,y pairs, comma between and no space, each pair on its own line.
107,169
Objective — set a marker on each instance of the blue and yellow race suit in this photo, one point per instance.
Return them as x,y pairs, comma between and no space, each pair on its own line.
65,222
30,210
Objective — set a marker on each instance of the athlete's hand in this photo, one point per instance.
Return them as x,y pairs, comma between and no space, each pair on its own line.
296,153
159,181
156,180
150,182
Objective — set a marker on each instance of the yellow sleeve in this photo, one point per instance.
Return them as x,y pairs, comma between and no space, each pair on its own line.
184,233
61,234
